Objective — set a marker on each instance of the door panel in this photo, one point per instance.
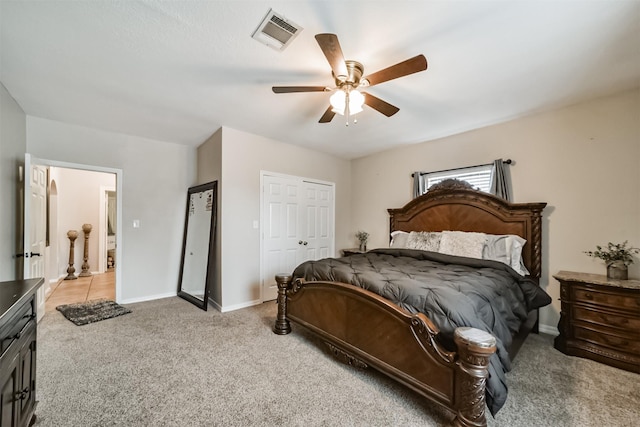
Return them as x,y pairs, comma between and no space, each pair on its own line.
34,225
280,244
37,222
8,390
319,220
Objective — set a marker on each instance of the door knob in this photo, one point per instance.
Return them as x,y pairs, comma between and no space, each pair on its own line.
34,254
305,243
300,242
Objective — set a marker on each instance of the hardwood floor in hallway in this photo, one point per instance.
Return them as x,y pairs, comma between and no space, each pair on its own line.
82,289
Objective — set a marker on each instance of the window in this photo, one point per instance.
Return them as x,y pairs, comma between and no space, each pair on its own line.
478,176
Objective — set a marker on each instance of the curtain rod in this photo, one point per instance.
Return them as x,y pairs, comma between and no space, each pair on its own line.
508,162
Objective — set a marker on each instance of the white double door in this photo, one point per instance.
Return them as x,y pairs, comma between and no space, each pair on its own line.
298,224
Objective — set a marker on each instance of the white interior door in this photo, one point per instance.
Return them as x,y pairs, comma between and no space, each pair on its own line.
297,225
280,231
316,208
35,204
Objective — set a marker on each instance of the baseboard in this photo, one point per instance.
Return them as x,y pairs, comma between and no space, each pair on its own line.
551,330
148,298
239,306
215,305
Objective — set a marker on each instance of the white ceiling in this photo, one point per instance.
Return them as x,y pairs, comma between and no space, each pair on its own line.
178,70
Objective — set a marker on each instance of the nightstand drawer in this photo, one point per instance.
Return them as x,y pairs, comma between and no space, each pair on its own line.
606,299
606,319
621,343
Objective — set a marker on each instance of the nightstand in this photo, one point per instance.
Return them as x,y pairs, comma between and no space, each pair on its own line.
352,251
600,319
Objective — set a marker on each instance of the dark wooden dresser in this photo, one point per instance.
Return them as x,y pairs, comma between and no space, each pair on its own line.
600,319
18,360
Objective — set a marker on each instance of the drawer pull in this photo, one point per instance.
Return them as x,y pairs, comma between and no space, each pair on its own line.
22,395
588,296
14,337
24,328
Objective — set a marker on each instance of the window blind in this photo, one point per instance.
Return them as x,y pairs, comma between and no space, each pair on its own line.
478,176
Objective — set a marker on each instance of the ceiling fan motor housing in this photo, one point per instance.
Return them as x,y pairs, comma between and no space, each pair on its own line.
355,70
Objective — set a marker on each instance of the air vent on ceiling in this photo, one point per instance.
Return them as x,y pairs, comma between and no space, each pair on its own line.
276,31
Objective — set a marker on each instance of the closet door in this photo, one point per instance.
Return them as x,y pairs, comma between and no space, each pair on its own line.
297,225
316,212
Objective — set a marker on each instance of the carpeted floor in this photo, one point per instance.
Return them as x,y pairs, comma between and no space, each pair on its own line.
171,364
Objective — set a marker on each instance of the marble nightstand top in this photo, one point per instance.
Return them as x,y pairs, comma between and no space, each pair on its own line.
597,279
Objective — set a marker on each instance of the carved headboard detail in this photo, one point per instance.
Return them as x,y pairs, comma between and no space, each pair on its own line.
455,205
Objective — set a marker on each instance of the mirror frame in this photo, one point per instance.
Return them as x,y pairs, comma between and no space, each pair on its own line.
211,261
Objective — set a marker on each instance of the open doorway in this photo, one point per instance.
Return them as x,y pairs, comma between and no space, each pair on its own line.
81,208
78,202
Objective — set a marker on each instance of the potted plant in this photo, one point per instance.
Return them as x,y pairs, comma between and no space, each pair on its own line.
617,256
362,236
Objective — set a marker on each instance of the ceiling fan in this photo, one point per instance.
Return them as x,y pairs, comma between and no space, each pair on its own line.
348,75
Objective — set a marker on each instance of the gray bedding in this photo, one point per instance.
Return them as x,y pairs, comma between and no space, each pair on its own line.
452,291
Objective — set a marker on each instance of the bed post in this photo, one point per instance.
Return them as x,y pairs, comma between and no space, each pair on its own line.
282,326
475,347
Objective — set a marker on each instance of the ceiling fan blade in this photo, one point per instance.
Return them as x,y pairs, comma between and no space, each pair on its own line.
378,104
331,48
290,89
401,69
327,116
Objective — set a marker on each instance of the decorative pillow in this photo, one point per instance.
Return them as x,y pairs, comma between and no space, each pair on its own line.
460,243
507,249
399,239
424,240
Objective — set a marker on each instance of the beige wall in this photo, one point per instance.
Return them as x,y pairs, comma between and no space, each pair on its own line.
210,169
13,142
244,156
155,178
584,161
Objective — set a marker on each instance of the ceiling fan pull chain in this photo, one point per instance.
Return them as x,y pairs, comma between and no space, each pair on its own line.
347,111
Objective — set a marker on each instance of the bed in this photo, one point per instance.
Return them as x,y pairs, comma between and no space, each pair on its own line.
362,328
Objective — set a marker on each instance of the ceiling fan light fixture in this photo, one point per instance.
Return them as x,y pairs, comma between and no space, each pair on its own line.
338,101
356,101
350,102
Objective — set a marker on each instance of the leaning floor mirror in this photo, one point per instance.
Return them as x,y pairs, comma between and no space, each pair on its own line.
197,266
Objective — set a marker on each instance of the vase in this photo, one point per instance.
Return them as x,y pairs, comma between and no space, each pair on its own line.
617,270
363,246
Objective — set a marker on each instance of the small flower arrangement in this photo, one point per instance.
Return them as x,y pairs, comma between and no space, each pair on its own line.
615,252
362,236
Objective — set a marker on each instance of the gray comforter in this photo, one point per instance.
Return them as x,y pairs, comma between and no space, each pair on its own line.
452,291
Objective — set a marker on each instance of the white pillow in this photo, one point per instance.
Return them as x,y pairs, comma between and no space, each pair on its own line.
424,240
460,243
507,249
399,239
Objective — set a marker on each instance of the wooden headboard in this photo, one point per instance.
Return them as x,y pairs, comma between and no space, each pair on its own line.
456,206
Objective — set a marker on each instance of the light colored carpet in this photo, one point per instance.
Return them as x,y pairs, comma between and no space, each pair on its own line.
170,364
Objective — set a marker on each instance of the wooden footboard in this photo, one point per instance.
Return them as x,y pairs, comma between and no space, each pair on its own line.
364,329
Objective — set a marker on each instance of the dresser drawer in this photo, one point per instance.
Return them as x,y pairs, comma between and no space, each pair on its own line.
617,300
620,343
16,326
607,319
